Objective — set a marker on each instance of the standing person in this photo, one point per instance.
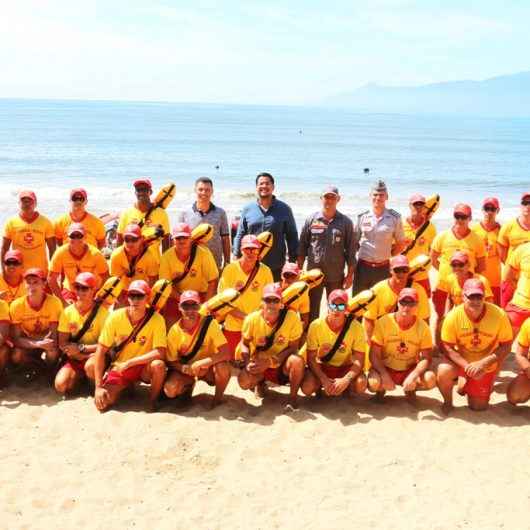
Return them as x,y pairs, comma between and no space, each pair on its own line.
476,337
30,232
488,229
94,227
12,285
269,214
378,235
203,210
137,215
327,242
512,234
419,244
517,277
519,387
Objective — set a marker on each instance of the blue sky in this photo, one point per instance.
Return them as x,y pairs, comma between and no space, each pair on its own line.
252,52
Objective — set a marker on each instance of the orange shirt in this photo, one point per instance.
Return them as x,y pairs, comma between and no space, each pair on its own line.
94,227
35,321
493,259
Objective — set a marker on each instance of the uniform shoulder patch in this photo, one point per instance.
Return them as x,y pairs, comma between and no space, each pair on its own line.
363,213
394,213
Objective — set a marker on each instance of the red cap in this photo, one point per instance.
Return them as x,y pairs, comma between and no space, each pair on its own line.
417,197
408,292
338,295
473,286
143,182
13,255
291,268
250,241
76,228
491,201
132,230
87,279
190,296
525,195
139,286
35,271
272,290
27,194
79,191
459,257
464,209
399,261
181,230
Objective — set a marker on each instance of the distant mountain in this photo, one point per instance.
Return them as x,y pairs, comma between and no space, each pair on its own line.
507,95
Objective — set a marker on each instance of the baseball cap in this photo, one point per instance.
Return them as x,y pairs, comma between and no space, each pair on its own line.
13,255
27,194
399,261
87,279
463,209
143,182
78,191
338,295
35,271
250,241
459,257
181,230
76,228
133,230
379,185
330,190
491,201
291,268
417,197
272,290
408,293
473,286
139,286
190,296
525,195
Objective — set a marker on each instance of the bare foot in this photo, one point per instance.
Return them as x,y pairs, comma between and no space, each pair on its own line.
412,398
378,398
460,386
214,403
153,406
260,390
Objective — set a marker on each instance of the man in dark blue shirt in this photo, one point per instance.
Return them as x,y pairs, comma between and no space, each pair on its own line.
268,213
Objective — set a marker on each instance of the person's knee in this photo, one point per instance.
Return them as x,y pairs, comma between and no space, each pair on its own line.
446,373
360,384
62,384
374,381
310,384
89,371
295,365
429,380
172,390
514,394
158,368
222,371
244,380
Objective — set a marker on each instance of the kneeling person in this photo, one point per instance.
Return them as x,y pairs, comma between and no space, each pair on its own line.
139,347
335,355
197,349
269,345
519,388
400,351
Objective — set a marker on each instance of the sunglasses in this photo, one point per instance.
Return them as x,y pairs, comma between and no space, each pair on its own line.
289,275
418,204
408,303
457,265
490,209
10,263
186,306
475,297
78,198
401,270
82,288
250,250
180,238
131,239
76,235
136,296
272,300
142,190
460,217
337,307
525,203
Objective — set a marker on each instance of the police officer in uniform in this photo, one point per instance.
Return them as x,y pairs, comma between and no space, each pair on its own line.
378,236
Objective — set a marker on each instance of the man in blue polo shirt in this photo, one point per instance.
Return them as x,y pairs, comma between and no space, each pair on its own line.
268,213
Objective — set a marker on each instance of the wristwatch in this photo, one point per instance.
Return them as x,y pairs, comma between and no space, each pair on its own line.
81,348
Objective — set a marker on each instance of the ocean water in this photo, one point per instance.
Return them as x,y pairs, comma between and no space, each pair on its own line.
53,146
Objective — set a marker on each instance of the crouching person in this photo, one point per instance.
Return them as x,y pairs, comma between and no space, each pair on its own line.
269,346
400,351
519,388
197,349
335,351
137,337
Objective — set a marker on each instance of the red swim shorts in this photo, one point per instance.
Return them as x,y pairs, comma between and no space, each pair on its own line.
127,377
507,291
276,375
399,376
438,299
516,314
77,366
233,338
335,372
496,295
426,285
479,388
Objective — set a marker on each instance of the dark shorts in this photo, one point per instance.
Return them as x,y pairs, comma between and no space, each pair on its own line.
399,376
335,372
126,378
516,314
479,388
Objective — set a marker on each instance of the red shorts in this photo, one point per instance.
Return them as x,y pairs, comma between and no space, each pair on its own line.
335,372
438,299
479,388
399,376
69,296
507,291
171,309
496,295
516,314
276,375
426,284
127,377
77,366
233,338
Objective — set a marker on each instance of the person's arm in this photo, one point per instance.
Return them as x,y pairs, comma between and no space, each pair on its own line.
6,243
503,252
292,349
53,282
435,259
314,365
303,243
71,349
510,276
368,325
400,240
212,288
153,355
376,352
241,231
291,235
226,249
349,254
496,357
521,357
166,242
4,332
21,341
51,244
223,355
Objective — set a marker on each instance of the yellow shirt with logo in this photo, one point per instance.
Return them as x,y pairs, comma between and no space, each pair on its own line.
4,312
234,276
256,330
386,300
401,347
321,338
10,292
64,262
523,337
519,260
301,304
35,321
181,342
512,235
476,340
71,321
94,227
146,267
30,239
493,259
422,246
118,327
452,287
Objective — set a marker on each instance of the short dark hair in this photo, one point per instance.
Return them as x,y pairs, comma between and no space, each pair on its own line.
265,174
204,180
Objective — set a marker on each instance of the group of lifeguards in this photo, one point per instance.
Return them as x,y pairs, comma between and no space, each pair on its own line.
52,319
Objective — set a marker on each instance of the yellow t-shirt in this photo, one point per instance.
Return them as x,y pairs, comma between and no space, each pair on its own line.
30,239
35,322
446,244
321,338
523,337
94,227
511,235
10,292
301,304
401,347
386,300
158,216
147,267
519,260
451,286
71,321
476,340
180,342
233,276
202,270
256,330
64,262
118,327
4,312
422,245
493,259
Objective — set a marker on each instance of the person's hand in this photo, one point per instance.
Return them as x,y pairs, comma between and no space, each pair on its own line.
200,368
387,382
474,370
328,386
72,350
342,384
47,343
348,281
257,366
411,382
101,397
527,372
